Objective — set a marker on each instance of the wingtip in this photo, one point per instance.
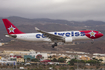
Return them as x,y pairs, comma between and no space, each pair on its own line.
36,28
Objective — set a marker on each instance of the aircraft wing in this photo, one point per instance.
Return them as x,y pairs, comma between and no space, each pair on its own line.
50,36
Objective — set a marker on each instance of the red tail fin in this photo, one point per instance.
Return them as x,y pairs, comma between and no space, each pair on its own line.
11,29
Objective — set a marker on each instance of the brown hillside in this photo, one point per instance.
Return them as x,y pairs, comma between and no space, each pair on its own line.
96,47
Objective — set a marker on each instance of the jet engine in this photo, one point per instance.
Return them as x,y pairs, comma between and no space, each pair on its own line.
68,39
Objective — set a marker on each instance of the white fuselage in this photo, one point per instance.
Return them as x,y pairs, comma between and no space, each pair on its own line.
39,37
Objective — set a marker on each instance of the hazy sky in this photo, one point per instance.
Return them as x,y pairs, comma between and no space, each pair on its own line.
79,10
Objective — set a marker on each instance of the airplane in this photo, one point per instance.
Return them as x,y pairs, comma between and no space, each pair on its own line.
55,37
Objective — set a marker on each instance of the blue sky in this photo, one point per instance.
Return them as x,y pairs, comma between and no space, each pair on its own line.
76,10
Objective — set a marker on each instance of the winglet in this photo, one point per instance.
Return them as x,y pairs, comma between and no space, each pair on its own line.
37,29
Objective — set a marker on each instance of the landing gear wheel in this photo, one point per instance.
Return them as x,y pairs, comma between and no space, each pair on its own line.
55,44
92,42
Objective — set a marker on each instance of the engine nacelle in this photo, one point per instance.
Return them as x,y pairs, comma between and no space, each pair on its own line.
68,39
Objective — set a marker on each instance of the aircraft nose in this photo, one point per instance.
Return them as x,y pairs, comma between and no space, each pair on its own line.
101,34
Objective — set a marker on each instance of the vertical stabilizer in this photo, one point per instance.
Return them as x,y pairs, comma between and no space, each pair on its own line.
11,29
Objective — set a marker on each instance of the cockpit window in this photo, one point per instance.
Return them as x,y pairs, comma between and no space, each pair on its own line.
99,32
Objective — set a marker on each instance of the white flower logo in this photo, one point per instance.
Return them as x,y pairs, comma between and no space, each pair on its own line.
11,29
92,34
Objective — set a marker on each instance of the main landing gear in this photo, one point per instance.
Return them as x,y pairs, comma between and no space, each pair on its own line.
55,44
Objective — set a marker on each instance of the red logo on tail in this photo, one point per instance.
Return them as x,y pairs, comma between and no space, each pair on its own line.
11,29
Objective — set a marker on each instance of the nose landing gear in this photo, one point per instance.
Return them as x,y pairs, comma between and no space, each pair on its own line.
92,41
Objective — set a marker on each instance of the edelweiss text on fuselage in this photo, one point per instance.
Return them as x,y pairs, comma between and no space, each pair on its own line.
66,34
